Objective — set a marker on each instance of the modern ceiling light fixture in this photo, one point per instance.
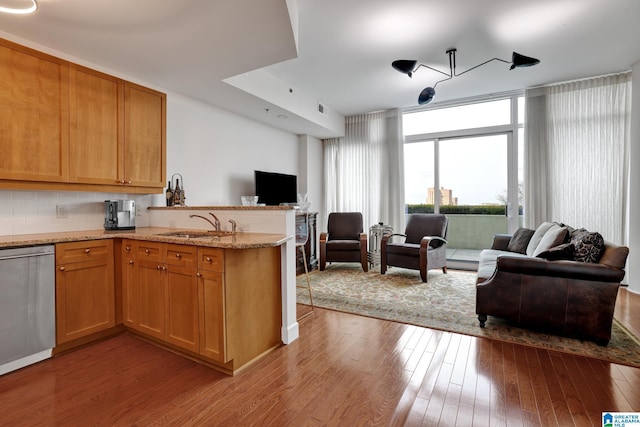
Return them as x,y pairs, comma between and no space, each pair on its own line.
409,67
20,10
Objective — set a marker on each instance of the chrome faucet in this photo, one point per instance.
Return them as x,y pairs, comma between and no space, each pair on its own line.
233,226
215,226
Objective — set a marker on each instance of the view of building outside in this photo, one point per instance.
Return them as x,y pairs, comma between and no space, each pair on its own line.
459,157
446,196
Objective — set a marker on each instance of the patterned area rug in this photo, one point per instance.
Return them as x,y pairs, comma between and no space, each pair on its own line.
446,302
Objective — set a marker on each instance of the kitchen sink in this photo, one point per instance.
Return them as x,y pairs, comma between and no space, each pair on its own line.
196,234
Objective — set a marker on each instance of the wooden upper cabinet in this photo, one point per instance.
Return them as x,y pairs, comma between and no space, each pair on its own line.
96,141
64,126
34,115
144,136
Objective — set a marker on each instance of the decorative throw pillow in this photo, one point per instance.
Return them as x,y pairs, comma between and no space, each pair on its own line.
589,245
555,236
520,240
537,236
564,251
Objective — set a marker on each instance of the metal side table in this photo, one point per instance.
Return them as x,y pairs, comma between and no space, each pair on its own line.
375,239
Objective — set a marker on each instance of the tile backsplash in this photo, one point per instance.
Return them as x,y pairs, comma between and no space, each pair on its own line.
26,212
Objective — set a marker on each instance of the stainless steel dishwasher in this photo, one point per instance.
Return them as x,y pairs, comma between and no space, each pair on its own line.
27,306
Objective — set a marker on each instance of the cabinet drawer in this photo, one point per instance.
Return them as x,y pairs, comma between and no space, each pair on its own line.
182,255
149,251
93,250
211,259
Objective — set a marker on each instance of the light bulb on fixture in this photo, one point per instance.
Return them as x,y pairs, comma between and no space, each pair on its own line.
20,10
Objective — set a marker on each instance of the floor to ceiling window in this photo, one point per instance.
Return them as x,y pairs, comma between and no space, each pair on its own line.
466,161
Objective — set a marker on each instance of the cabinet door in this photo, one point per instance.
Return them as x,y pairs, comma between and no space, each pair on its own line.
96,152
130,285
212,315
85,301
152,294
34,115
144,133
182,307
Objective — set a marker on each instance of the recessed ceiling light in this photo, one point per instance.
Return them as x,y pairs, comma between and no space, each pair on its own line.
20,10
283,116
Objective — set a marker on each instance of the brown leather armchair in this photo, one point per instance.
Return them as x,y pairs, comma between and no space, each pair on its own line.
344,240
424,248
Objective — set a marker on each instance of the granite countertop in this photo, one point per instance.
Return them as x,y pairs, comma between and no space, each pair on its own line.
236,241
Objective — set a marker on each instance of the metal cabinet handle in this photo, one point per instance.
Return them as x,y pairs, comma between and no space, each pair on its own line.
86,251
127,248
146,251
198,274
128,182
131,262
158,267
208,259
178,255
62,268
164,268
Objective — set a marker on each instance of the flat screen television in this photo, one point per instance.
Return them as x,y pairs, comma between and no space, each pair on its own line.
275,188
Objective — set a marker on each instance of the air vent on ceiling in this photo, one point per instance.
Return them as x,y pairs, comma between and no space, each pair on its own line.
322,109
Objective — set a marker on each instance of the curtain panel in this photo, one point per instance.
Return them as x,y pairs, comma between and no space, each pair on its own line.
577,139
363,170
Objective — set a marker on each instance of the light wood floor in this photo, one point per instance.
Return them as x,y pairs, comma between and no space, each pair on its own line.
344,370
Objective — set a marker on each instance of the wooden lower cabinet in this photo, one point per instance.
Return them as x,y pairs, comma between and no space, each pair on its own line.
222,306
130,284
160,292
182,308
151,299
85,301
211,293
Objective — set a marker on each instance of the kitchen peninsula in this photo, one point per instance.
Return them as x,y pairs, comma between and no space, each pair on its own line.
220,298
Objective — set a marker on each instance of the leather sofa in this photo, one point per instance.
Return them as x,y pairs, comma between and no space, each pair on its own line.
564,297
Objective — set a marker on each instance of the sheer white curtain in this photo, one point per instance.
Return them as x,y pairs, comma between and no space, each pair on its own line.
576,160
363,170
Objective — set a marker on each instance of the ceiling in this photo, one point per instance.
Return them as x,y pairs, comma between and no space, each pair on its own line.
336,52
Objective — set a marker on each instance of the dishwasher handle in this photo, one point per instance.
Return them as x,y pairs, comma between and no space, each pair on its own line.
2,258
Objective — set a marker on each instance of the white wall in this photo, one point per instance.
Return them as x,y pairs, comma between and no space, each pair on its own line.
216,151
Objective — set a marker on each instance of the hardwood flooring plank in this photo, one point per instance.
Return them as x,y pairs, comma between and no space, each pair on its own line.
569,391
585,394
610,393
438,396
461,359
469,382
544,404
558,402
513,405
451,406
498,392
416,416
525,387
410,392
482,403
